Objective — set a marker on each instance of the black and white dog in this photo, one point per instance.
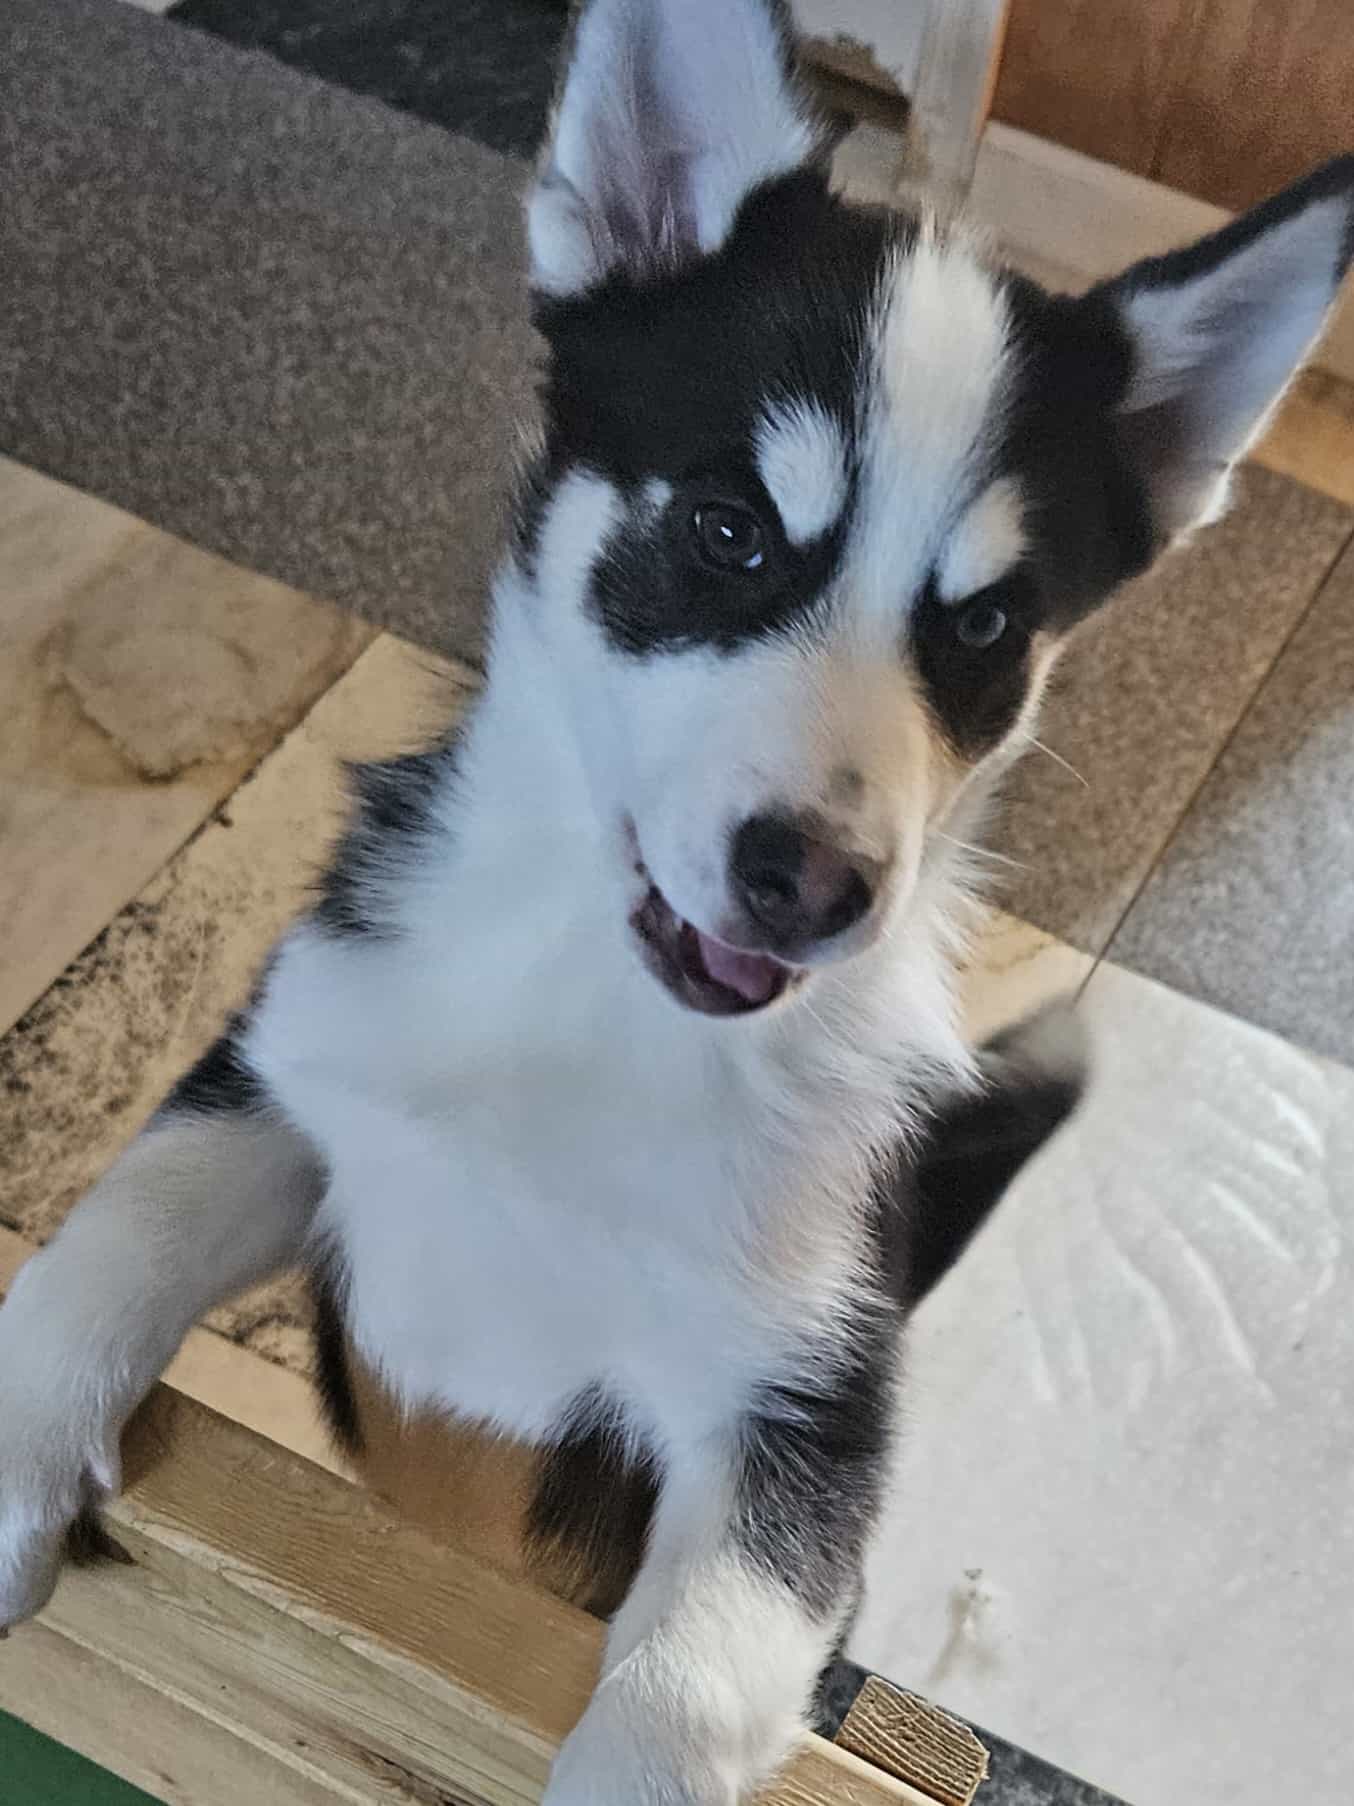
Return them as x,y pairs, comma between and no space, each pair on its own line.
613,1089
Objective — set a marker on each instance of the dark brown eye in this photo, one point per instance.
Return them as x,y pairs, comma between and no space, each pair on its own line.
729,538
979,625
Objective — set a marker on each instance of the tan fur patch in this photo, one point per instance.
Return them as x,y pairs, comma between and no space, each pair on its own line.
466,1486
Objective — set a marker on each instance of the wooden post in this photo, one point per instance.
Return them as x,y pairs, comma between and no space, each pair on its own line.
952,96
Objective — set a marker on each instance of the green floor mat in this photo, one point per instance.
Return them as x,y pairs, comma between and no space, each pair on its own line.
34,1771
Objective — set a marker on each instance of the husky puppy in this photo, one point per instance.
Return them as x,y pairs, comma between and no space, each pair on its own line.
613,1090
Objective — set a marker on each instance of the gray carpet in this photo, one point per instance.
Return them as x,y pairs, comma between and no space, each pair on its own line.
1252,907
267,314
1147,697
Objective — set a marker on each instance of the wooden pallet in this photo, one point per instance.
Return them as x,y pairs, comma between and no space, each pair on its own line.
274,1635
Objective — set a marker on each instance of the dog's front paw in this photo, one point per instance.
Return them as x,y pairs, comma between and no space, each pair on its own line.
49,1476
602,1764
643,1745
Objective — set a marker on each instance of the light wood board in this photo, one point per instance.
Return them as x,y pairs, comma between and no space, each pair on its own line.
277,1630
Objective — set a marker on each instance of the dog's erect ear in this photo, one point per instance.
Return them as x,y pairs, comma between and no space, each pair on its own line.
672,112
1218,330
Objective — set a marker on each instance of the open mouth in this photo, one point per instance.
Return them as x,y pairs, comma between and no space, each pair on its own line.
702,972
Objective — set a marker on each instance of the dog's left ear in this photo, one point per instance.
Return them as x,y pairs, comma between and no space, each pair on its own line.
1217,332
672,112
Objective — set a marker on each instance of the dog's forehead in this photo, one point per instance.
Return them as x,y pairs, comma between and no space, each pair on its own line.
911,447
908,432
934,501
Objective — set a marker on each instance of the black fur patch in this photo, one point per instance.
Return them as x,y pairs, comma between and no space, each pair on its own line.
935,1201
815,1456
838,1689
975,693
813,1468
670,378
393,819
1085,509
222,1083
333,1379
653,594
594,1501
1086,515
90,1543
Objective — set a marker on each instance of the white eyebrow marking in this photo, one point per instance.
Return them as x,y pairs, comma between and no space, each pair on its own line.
801,457
934,404
987,542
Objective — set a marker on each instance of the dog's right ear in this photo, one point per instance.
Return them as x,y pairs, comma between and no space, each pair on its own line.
1217,332
672,112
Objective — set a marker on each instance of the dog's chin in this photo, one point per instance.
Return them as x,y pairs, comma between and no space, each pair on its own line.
702,973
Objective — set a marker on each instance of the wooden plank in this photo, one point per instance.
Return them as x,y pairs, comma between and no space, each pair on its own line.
951,95
1077,212
1262,93
1225,99
351,1657
905,1735
1094,75
177,1756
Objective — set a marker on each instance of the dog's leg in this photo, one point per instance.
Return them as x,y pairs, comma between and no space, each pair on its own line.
751,1574
215,1194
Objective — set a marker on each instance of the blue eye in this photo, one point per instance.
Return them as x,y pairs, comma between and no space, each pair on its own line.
979,625
729,538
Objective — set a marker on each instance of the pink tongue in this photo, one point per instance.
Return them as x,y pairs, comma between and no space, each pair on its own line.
752,975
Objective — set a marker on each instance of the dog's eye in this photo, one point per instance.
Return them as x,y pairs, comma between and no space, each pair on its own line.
728,537
980,624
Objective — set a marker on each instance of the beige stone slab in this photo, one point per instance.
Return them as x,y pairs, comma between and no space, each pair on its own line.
140,678
89,1062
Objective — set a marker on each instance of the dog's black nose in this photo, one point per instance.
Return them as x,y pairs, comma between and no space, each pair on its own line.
798,888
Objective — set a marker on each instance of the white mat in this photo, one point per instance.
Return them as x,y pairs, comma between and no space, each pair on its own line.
1123,1531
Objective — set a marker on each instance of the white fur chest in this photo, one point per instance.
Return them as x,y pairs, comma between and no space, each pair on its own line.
571,1189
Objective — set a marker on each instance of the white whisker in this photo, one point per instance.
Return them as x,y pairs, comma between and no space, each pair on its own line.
833,1038
1057,758
965,846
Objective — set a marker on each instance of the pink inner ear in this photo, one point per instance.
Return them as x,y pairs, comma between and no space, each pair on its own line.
1219,329
673,111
